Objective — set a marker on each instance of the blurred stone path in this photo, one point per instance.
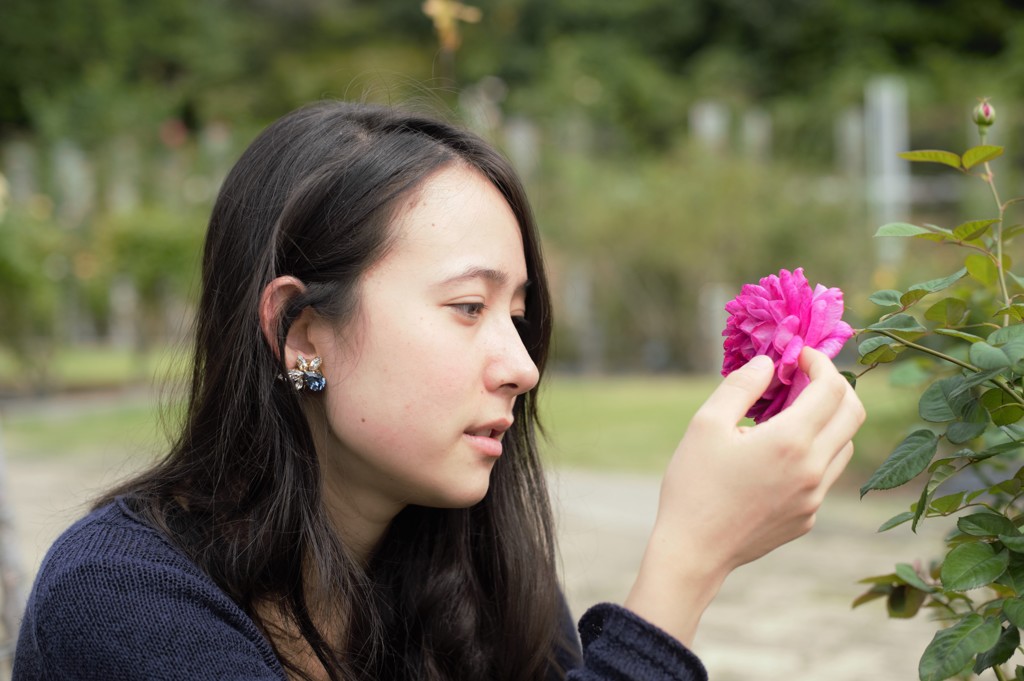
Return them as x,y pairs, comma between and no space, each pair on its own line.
787,617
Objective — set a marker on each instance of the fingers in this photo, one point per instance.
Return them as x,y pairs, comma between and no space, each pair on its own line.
827,413
739,391
836,467
819,402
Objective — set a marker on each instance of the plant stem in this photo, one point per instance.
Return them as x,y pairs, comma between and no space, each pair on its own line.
999,244
998,380
999,673
930,351
873,366
990,181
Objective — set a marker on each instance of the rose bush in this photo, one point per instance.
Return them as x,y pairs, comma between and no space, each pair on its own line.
778,318
965,335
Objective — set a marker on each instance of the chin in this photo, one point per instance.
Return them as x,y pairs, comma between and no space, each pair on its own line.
462,498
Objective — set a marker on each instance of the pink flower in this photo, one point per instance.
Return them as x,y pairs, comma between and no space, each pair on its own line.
779,318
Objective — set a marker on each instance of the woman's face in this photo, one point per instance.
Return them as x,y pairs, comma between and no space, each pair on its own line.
421,383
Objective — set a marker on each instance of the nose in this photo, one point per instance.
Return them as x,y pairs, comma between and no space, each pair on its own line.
510,367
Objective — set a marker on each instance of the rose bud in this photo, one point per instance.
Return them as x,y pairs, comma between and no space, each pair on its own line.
984,114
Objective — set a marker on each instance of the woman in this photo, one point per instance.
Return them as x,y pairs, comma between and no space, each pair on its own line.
356,492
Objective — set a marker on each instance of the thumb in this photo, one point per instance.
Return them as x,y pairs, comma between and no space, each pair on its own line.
740,390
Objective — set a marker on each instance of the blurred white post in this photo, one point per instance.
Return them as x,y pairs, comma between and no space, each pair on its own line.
579,316
888,176
709,124
849,137
757,134
711,300
522,142
21,166
125,169
74,178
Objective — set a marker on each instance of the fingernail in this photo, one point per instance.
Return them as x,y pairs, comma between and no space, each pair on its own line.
761,362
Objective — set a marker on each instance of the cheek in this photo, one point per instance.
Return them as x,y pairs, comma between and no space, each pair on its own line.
400,387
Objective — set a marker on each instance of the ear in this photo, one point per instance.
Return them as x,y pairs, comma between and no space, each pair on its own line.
273,301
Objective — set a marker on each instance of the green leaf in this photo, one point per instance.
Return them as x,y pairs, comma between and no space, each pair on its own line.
903,325
985,356
891,578
943,469
986,524
973,229
943,400
952,649
908,460
875,592
908,574
904,601
1011,487
932,156
912,296
1012,231
996,450
1014,542
885,298
981,154
948,311
947,504
1014,349
1013,578
1016,311
900,229
1002,651
982,268
920,507
879,349
1003,409
976,379
965,431
1013,608
942,283
850,377
969,566
969,337
896,520
972,423
1005,334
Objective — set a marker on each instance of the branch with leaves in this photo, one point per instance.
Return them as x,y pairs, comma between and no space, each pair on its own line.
966,330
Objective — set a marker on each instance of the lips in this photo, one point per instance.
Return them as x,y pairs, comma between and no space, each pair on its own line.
486,438
486,432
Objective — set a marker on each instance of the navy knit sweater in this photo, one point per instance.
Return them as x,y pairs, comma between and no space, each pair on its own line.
114,599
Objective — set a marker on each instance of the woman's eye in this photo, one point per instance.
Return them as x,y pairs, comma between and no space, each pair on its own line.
471,310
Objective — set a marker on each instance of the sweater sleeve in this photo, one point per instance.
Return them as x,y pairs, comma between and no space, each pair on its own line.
620,646
114,602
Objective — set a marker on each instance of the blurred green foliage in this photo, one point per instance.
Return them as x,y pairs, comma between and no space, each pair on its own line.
73,67
620,186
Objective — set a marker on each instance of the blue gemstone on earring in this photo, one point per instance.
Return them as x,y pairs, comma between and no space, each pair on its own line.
314,381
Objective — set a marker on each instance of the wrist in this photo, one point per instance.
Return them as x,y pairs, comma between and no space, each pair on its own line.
674,586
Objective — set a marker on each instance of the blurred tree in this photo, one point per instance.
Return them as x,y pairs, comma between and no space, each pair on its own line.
607,87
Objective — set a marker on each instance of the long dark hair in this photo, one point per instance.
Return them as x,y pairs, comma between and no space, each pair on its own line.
450,593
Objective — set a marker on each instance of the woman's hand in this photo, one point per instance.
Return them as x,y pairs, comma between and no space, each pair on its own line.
733,493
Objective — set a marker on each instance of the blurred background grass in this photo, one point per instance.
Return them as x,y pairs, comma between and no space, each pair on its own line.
612,423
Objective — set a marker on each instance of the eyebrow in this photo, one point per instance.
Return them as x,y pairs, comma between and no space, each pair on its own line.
492,275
